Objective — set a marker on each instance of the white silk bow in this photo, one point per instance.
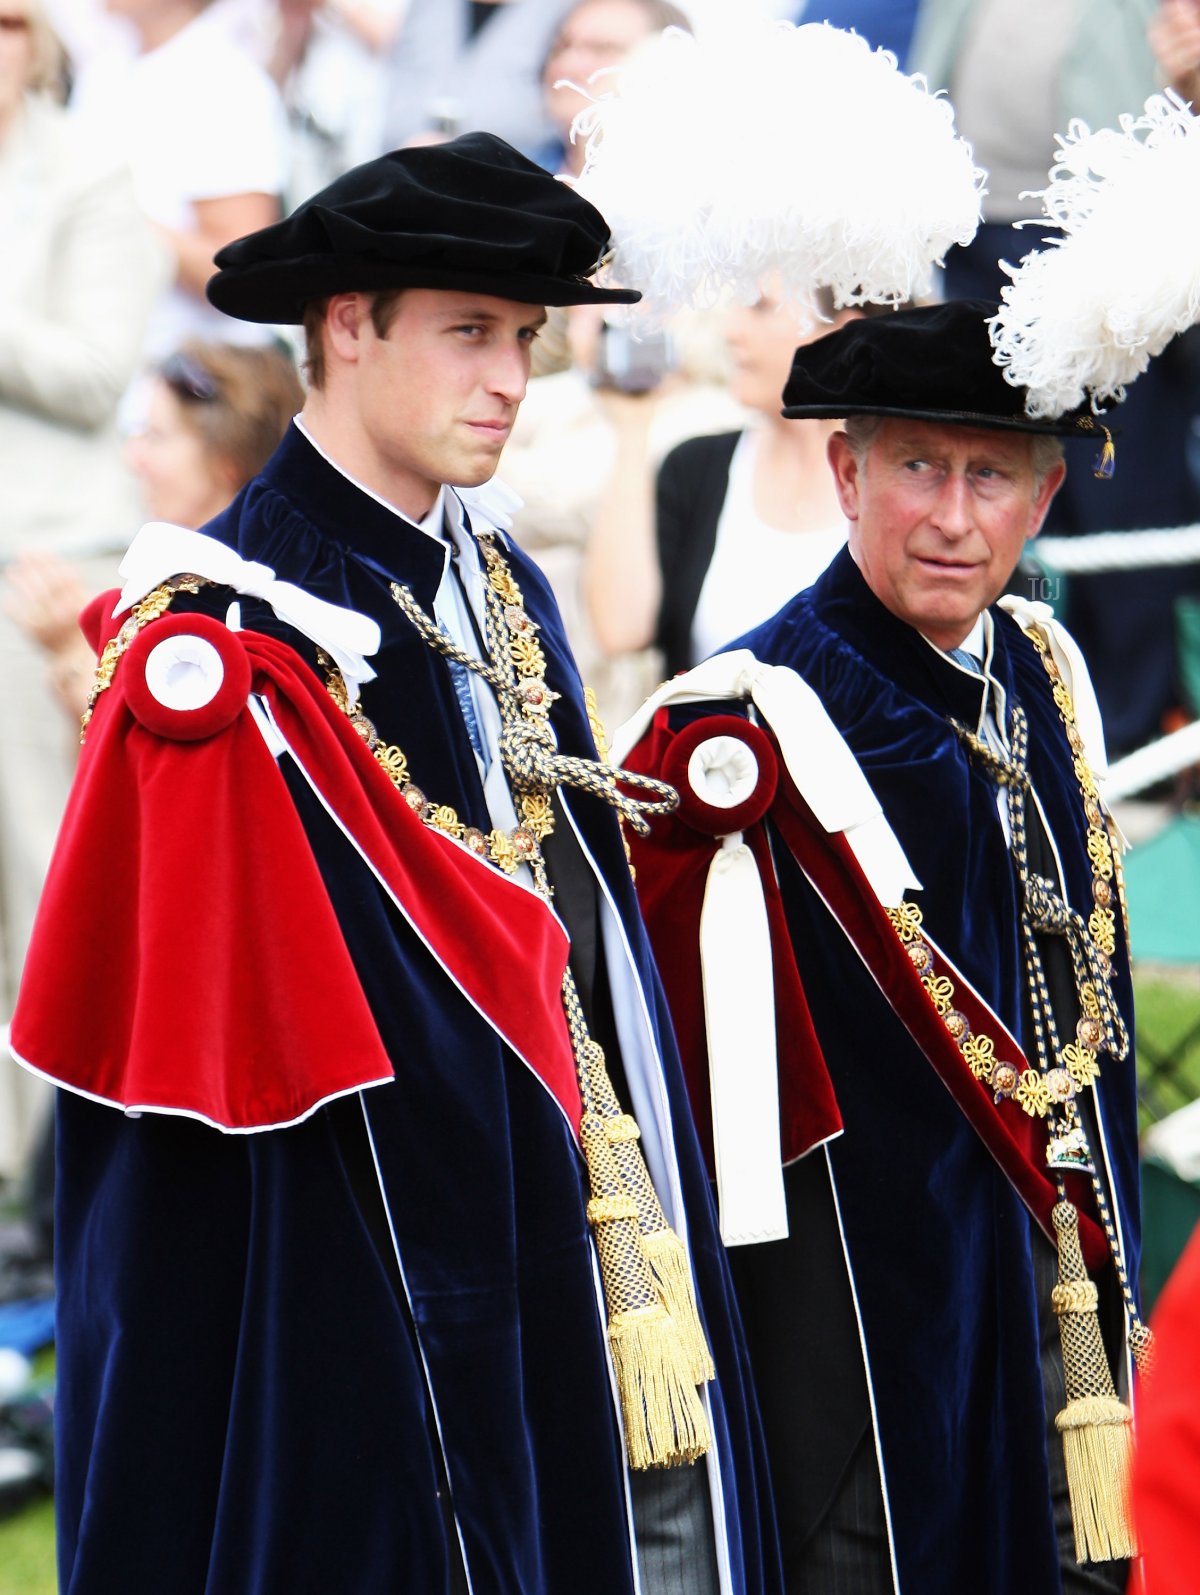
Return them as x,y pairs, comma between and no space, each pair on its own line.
161,550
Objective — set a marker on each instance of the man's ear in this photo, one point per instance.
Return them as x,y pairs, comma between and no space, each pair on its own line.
1047,488
345,315
845,467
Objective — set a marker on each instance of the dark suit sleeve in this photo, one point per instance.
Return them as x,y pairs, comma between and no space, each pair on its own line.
689,493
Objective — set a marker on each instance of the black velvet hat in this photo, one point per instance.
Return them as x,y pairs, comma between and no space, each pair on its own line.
471,214
933,363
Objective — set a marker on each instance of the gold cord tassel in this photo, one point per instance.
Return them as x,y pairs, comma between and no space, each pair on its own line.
1096,1427
665,1252
668,1260
665,1422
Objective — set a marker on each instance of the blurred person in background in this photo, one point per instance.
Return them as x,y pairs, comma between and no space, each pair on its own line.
329,59
458,66
203,130
565,446
739,521
79,269
215,413
594,37
1174,37
580,443
1166,1473
885,24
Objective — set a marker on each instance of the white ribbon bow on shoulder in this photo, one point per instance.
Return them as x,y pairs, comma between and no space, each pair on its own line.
160,551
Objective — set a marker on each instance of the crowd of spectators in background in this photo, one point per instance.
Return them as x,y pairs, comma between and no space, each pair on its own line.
138,136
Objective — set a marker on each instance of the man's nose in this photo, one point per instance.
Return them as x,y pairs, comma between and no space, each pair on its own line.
508,376
953,515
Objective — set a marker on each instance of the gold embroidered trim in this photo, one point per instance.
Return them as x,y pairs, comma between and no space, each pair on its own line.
154,605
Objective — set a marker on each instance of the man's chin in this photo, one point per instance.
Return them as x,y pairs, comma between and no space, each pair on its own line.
477,477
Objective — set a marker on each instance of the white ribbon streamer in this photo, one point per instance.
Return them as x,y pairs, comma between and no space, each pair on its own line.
739,1018
160,551
824,770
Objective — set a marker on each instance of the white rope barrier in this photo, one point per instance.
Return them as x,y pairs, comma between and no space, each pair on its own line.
1076,556
1157,762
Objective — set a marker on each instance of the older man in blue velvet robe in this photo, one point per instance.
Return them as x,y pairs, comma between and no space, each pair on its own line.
911,766
421,1316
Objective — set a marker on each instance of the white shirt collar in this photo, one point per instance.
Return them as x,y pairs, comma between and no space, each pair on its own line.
978,643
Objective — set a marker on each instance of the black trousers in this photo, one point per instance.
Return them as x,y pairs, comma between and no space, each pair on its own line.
848,1552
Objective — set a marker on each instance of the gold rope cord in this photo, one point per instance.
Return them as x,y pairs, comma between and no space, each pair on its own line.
1095,1425
659,1350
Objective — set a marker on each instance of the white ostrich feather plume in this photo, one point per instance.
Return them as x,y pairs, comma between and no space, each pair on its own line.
759,147
1085,315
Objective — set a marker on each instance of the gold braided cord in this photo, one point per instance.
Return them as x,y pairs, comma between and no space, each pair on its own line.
1050,1090
1075,1296
659,1350
665,1253
533,765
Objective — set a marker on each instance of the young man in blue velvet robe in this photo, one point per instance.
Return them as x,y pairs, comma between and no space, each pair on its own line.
338,1308
940,886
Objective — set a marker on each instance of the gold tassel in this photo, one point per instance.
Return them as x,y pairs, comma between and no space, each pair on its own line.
1106,462
668,1260
665,1422
664,1250
664,1417
1096,1427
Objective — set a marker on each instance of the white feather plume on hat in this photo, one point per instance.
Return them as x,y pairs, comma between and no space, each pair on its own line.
757,147
1085,315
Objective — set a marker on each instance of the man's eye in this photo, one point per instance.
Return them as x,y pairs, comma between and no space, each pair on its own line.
916,465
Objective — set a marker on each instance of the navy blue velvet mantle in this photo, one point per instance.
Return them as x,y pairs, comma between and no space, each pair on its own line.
242,1380
937,1241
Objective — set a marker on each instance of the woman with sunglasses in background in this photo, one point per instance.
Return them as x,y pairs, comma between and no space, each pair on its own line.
214,414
